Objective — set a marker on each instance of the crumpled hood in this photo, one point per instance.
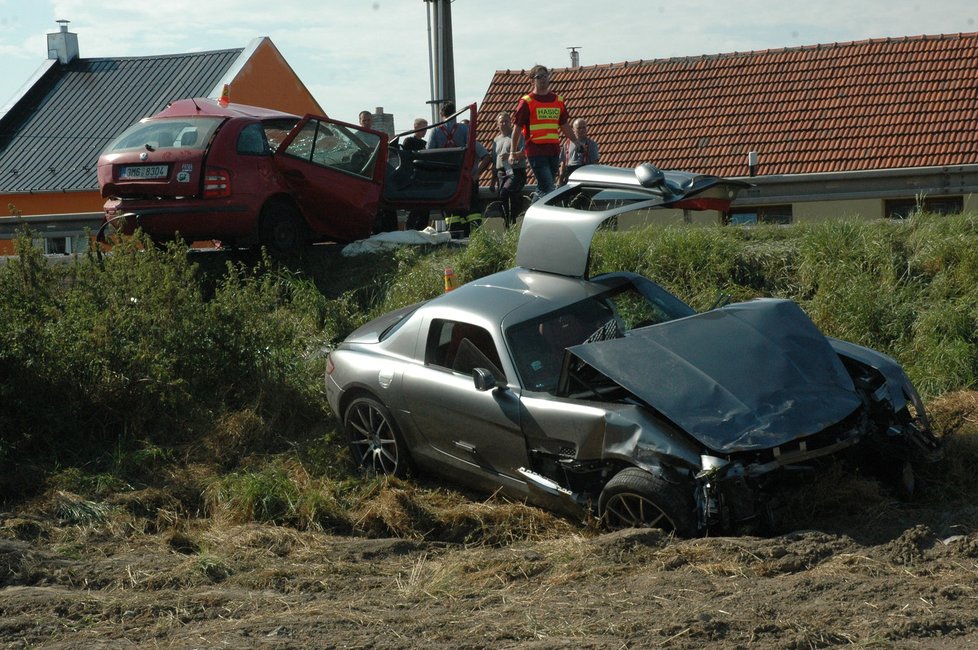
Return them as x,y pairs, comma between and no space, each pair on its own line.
751,375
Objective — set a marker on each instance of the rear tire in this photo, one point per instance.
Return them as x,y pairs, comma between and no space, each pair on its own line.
282,229
634,498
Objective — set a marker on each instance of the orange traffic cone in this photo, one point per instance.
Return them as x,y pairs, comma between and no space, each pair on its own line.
225,96
450,281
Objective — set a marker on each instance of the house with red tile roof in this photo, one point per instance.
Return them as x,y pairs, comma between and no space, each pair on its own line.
870,128
53,130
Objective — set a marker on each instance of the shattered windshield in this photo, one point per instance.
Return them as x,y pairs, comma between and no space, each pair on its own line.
631,302
640,302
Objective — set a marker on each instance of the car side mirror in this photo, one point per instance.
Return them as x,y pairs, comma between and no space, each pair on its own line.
484,380
649,176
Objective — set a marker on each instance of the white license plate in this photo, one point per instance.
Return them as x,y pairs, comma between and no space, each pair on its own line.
143,171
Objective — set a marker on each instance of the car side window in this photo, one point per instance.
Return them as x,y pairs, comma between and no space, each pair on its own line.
336,146
461,347
251,141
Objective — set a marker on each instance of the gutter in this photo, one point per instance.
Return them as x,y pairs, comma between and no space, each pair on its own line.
861,184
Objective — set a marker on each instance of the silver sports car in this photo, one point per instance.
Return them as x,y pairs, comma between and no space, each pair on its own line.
610,395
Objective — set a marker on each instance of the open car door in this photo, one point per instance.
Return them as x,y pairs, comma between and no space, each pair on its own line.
336,172
556,233
432,178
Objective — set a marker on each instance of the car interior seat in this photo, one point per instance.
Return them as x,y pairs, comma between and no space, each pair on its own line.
467,339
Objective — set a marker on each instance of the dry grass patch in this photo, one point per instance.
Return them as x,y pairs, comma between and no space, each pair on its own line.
395,508
955,418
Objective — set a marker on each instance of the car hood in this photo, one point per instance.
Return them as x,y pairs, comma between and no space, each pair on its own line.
749,376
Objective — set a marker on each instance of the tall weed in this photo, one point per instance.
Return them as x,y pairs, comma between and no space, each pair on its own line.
103,358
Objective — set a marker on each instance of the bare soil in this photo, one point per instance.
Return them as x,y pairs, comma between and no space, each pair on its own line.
255,586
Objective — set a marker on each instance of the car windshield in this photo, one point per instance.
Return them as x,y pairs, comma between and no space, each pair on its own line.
276,130
165,133
631,302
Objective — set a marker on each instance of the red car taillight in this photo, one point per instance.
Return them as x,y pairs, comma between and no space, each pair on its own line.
217,183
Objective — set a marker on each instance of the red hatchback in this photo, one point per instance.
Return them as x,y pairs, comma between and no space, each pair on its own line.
247,175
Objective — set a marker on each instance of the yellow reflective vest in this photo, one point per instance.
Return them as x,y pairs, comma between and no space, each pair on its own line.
544,124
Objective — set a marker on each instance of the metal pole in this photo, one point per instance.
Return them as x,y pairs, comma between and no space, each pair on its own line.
431,63
448,54
441,60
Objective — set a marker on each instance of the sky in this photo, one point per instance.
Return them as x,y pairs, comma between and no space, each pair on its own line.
361,54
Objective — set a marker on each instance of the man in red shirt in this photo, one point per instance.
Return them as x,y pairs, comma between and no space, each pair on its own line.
540,118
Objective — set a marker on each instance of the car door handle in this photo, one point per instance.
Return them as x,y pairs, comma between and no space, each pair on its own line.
464,446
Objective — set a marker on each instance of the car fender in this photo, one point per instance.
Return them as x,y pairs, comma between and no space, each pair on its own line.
633,437
897,383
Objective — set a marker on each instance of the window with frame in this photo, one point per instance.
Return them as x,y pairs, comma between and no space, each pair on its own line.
780,214
251,141
462,347
337,147
62,245
904,208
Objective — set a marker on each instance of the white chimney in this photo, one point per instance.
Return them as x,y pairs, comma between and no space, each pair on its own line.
575,56
63,45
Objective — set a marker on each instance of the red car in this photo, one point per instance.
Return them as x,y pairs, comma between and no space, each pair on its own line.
246,175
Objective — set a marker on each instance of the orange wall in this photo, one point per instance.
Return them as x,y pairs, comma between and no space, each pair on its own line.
52,202
267,80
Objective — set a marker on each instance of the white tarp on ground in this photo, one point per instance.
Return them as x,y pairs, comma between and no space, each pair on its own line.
394,239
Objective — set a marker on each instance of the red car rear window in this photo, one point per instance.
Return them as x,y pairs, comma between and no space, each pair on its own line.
182,132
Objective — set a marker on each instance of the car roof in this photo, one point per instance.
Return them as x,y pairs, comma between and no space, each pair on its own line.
210,107
556,236
516,295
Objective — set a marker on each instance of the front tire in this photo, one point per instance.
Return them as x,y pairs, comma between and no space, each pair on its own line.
634,498
374,441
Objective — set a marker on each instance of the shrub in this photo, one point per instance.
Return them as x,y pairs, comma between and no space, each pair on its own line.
107,358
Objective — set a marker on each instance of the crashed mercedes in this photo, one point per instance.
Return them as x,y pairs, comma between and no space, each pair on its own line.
608,394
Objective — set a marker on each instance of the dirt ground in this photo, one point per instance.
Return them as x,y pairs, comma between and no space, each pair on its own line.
854,567
907,577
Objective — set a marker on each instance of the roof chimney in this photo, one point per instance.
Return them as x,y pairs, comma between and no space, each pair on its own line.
384,121
575,56
63,45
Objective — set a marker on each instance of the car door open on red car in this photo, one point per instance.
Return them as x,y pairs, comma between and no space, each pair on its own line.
247,175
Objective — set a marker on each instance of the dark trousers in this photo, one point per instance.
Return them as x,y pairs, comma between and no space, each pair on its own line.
511,193
461,222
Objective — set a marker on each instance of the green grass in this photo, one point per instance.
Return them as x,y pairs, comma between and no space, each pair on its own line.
143,369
